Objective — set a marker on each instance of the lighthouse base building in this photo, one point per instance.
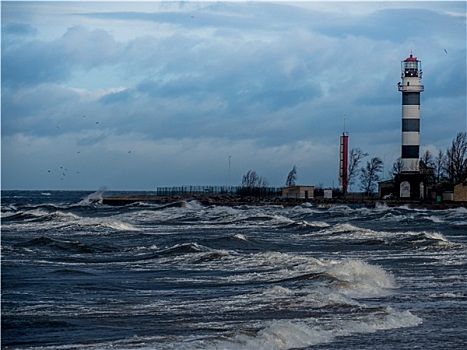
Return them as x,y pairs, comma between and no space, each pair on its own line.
411,186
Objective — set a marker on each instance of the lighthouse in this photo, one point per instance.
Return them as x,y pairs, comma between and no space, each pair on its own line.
411,75
410,182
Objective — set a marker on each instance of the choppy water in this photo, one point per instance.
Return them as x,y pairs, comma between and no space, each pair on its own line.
82,275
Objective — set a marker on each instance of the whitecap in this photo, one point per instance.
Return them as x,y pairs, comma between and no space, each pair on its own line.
359,279
436,236
95,197
434,218
119,226
240,236
341,228
319,224
295,333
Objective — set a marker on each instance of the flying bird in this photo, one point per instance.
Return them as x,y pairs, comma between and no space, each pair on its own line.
445,50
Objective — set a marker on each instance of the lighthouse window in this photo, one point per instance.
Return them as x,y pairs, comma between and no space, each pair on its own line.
411,73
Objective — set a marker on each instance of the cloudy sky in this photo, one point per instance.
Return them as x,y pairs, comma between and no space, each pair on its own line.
139,95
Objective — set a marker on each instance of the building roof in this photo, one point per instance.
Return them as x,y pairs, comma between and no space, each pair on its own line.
410,58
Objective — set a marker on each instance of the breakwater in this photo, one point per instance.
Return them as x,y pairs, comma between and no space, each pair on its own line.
235,200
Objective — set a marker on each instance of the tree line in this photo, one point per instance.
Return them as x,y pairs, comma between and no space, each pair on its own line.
446,167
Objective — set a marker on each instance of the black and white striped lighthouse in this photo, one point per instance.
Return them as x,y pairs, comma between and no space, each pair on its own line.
410,181
411,75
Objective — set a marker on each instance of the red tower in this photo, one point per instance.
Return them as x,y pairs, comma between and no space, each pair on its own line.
344,162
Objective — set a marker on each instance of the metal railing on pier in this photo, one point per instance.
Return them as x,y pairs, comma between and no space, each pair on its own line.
262,192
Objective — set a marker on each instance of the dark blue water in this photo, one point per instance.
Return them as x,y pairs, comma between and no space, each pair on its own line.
77,274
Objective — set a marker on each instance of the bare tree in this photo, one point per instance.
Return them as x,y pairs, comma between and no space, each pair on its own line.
397,167
262,182
291,177
427,160
369,175
456,159
251,180
440,162
355,157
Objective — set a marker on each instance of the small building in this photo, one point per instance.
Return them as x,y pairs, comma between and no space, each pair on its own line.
460,192
386,188
298,192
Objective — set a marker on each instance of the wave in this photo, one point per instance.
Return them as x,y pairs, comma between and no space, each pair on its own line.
94,198
40,216
434,218
361,280
303,224
117,225
37,215
458,210
423,239
186,248
213,256
460,225
296,333
393,217
58,245
309,276
341,228
285,334
240,237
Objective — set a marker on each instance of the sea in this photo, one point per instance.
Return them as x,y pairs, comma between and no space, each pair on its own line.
79,274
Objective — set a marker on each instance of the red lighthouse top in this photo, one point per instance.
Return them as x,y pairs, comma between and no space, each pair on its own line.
410,58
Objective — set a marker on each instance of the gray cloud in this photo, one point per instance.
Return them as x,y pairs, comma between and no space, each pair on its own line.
266,83
35,61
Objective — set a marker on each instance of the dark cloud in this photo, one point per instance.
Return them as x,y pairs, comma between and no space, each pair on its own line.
395,25
35,61
18,29
219,15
